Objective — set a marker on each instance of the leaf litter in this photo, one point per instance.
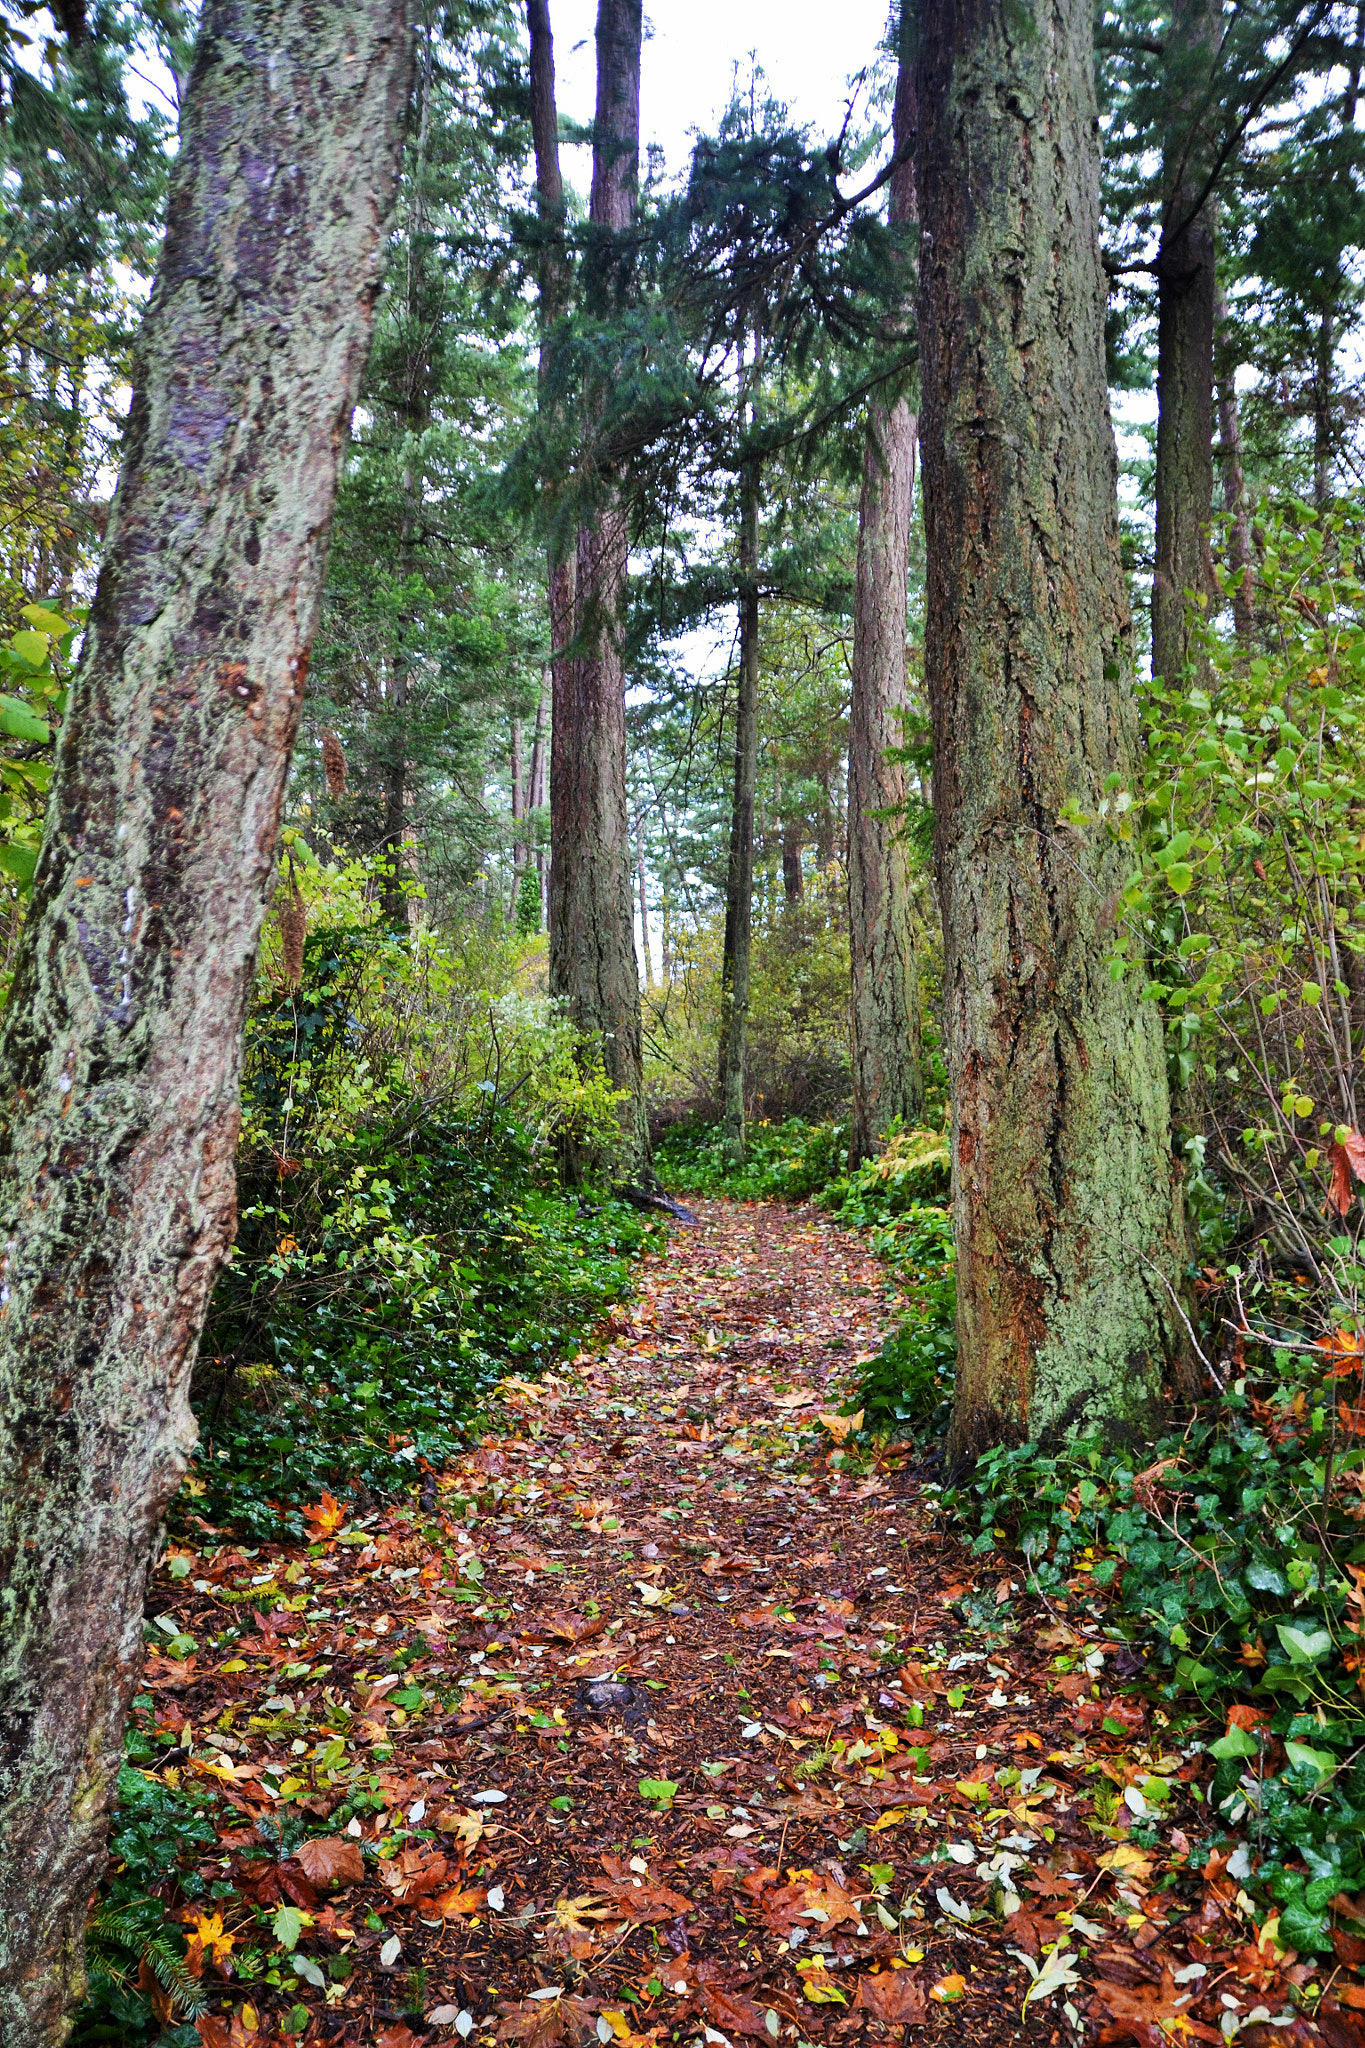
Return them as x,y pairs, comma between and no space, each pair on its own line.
672,1715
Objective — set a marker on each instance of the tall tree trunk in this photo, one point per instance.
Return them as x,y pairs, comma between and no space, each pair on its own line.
537,792
592,919
1241,559
642,875
1066,1214
884,1019
554,291
535,798
793,880
737,959
1324,360
1186,280
518,813
396,793
121,1045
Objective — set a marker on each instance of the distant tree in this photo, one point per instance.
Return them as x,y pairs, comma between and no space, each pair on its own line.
592,921
121,1045
884,1008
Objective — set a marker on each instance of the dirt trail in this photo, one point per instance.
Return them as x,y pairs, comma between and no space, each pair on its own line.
690,1739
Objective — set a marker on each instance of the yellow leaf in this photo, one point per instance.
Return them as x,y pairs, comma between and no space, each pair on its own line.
1126,1861
208,1932
948,1988
894,1819
842,1426
817,1984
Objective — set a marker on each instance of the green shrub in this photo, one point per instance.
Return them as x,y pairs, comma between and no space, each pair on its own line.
1233,1552
909,1384
402,1244
787,1162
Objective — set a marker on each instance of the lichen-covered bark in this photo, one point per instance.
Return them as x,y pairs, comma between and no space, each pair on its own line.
121,1046
884,1019
1065,1210
592,939
1186,280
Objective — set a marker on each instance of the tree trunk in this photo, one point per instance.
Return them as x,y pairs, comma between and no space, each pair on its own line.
793,880
395,897
1186,279
121,1046
1241,559
884,1019
1323,364
518,815
592,919
642,875
1066,1214
554,291
739,881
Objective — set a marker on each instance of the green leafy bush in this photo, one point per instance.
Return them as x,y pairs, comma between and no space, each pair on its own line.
1232,1551
403,1244
787,1162
909,1384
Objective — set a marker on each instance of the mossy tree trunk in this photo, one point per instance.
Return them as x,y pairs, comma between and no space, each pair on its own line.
884,1017
1066,1208
592,919
121,1046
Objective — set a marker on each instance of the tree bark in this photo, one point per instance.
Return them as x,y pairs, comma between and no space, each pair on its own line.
121,1045
592,938
396,792
884,1018
1324,361
643,878
1066,1212
793,879
1241,559
736,962
1186,280
554,292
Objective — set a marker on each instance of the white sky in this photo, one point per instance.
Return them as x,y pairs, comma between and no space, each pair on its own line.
808,51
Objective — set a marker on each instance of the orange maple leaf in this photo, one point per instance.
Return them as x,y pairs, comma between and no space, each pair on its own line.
326,1518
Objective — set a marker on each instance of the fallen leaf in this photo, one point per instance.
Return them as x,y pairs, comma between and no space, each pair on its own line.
894,1996
331,1859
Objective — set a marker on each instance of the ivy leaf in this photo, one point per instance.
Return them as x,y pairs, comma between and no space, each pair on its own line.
1304,1646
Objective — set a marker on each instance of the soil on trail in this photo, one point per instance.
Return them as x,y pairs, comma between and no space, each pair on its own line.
662,1721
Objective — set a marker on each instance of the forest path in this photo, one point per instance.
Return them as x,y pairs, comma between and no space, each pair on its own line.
661,1723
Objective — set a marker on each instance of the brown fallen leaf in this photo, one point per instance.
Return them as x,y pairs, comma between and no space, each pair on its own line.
331,1859
726,2005
895,1996
1153,2015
